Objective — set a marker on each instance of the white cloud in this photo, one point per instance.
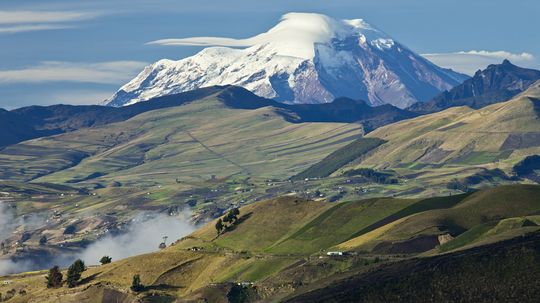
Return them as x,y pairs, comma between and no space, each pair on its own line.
294,35
24,21
29,28
112,72
19,17
469,62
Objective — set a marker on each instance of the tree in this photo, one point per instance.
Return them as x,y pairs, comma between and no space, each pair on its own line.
136,284
25,237
232,215
70,229
43,240
74,273
105,260
54,278
219,226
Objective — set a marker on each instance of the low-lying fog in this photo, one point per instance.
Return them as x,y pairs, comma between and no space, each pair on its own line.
143,235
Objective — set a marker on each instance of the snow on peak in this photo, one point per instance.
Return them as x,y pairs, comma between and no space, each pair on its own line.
304,58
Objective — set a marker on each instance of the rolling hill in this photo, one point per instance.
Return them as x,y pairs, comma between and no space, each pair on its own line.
278,249
212,136
459,142
41,121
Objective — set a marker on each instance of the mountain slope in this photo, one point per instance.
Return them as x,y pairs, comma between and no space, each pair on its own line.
458,145
306,58
498,82
190,142
40,121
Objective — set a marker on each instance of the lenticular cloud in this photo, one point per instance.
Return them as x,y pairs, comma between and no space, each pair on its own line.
294,35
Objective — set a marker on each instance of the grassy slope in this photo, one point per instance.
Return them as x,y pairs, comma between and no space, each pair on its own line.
339,158
191,142
468,216
275,239
457,142
456,131
501,272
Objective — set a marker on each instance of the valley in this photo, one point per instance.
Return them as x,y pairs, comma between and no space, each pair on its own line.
318,160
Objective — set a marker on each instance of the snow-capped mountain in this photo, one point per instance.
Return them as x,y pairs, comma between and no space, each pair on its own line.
305,58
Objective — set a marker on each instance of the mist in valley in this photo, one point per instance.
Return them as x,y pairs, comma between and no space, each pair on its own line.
143,234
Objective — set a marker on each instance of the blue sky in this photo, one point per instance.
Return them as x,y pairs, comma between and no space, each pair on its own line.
81,52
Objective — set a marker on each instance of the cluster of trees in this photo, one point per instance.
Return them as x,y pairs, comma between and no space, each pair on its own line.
55,276
228,220
74,273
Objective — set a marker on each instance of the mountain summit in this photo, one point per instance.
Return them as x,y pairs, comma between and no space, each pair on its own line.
305,58
496,83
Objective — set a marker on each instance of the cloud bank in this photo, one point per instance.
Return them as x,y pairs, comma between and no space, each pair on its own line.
468,62
112,72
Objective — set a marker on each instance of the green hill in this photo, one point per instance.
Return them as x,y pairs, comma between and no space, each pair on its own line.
280,245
